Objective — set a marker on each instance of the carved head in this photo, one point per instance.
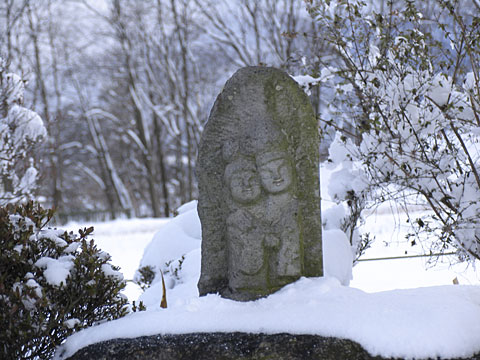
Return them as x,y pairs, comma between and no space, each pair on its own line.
242,179
275,171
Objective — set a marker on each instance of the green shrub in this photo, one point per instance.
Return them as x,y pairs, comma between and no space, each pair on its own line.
144,277
52,283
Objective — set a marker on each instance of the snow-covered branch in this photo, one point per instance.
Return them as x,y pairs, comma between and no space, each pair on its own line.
20,129
415,111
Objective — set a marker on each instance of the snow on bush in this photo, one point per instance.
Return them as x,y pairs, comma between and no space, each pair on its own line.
52,283
20,129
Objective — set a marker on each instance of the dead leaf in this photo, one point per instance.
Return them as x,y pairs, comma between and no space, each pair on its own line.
163,303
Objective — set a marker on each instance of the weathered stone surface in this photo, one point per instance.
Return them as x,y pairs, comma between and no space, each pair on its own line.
226,346
258,182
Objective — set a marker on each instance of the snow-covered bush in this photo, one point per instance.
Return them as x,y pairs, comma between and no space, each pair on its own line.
51,283
20,129
410,83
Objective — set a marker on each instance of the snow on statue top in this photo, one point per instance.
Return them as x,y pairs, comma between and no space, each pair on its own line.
259,201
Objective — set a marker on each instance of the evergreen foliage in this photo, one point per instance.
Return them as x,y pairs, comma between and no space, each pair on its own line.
52,283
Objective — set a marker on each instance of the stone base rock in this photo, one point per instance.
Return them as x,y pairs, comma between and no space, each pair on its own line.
203,346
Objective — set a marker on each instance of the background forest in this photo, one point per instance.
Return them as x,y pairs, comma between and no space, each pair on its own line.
124,88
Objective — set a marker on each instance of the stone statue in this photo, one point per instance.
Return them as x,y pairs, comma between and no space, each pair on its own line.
276,176
258,181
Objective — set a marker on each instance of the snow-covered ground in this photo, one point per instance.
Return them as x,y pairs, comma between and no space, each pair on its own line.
425,322
394,308
381,275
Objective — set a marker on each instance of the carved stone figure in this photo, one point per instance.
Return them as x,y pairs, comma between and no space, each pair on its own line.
243,233
258,181
276,176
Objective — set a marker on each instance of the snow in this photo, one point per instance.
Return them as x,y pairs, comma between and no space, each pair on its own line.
306,82
469,83
391,241
385,309
337,152
71,323
29,124
187,207
108,271
34,285
440,90
180,287
333,216
56,270
176,238
15,87
53,235
29,179
347,175
438,321
337,256
72,247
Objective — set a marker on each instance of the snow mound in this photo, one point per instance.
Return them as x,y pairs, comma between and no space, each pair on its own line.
175,239
180,286
337,256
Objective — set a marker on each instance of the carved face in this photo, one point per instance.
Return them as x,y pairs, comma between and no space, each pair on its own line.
245,187
275,173
243,182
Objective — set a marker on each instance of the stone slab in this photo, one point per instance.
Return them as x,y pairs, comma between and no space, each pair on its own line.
258,180
226,346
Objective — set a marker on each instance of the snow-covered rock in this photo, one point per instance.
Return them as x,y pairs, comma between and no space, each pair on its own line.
417,323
